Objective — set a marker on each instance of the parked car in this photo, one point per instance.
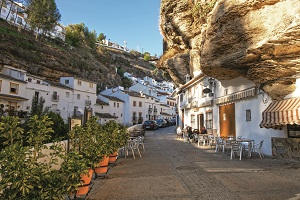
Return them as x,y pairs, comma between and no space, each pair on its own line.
169,123
136,130
150,124
173,120
161,123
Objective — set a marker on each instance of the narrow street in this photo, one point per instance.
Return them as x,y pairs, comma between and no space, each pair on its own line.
172,169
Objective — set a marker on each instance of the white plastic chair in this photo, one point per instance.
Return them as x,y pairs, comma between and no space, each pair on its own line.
219,144
140,142
211,141
201,139
236,148
132,146
258,148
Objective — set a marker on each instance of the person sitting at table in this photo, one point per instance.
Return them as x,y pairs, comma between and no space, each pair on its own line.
203,130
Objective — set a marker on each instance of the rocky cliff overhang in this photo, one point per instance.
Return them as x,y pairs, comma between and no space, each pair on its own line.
259,40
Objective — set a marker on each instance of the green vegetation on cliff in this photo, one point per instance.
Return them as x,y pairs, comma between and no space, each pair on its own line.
52,58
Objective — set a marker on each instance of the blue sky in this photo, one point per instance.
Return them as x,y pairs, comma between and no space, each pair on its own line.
136,21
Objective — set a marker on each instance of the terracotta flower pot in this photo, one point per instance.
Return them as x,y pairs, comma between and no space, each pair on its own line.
102,169
86,184
82,190
113,158
87,178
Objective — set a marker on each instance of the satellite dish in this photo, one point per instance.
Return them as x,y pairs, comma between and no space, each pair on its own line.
207,90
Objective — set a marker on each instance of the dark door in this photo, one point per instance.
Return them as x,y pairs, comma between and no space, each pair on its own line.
227,120
200,121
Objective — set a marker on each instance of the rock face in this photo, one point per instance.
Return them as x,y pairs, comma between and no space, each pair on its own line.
51,60
259,40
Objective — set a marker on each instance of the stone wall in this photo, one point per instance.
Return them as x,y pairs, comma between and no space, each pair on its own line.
288,148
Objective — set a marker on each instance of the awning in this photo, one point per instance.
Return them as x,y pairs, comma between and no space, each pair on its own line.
281,113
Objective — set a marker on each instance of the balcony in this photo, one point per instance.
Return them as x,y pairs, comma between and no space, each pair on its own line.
88,103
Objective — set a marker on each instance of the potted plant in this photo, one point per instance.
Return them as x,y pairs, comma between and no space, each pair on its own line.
26,172
117,138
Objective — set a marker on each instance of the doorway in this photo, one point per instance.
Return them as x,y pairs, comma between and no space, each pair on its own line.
200,119
227,120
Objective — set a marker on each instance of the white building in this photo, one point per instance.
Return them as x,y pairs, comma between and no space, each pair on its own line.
83,94
144,89
102,111
15,14
239,108
150,81
12,95
115,108
71,94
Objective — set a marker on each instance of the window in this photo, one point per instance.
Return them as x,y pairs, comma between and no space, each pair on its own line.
134,116
102,107
114,104
67,81
140,104
118,105
134,103
91,85
38,82
19,20
209,120
14,88
29,79
79,82
54,96
293,130
67,94
36,95
225,92
78,96
193,118
248,115
0,85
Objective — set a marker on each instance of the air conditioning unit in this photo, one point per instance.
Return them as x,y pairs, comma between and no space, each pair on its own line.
211,94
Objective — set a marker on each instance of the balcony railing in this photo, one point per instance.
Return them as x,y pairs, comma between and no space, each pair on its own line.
88,103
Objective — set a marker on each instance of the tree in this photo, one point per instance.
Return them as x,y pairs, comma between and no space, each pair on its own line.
126,82
37,106
101,37
43,15
59,127
74,34
120,71
91,39
79,34
146,56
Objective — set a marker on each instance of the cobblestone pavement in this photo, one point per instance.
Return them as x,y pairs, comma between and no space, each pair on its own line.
172,169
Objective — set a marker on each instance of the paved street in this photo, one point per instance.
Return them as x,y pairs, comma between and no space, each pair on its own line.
172,169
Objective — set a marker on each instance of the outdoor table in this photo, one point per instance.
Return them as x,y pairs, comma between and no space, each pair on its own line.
249,142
